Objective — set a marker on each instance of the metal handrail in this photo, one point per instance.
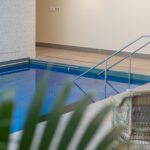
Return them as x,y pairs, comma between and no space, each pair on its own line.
126,57
114,54
130,55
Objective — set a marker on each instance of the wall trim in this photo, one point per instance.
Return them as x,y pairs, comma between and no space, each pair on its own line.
91,50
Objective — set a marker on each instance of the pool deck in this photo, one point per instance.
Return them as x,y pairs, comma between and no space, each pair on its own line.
84,59
139,65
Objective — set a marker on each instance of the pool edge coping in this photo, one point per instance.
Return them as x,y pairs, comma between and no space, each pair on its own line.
115,73
27,60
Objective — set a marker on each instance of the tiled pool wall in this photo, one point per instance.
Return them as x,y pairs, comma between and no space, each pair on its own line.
75,69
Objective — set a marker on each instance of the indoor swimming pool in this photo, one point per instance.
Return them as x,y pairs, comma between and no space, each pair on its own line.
25,79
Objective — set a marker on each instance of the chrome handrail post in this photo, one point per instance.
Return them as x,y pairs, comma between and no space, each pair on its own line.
105,79
105,73
129,75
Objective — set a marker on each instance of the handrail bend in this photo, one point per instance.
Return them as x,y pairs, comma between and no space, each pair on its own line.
126,57
114,54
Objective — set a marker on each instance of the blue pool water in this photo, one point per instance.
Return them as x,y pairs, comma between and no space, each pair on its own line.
26,78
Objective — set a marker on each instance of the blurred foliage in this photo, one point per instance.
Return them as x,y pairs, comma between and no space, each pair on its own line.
33,116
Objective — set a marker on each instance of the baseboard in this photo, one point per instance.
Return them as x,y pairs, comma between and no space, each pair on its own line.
91,50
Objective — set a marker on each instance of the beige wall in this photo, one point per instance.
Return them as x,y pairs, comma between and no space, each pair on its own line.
103,24
17,29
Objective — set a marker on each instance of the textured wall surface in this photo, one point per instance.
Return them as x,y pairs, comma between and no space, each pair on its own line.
17,29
